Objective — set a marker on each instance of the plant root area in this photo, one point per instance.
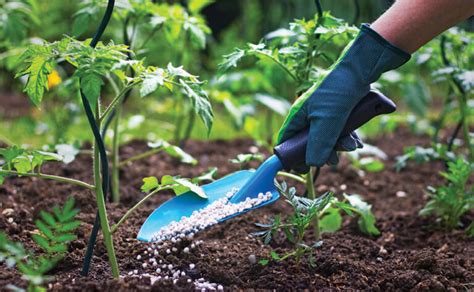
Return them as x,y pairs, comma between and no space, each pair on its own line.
411,253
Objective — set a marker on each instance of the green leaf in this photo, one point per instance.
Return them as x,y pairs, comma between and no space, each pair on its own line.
63,238
263,262
371,164
246,158
58,248
275,256
208,175
44,229
231,60
39,65
90,85
48,218
41,241
197,35
149,183
23,163
200,103
151,81
11,153
366,220
191,187
174,151
70,226
278,105
331,221
195,6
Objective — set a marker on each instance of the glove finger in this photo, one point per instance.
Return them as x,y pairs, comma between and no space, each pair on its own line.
333,158
346,143
320,142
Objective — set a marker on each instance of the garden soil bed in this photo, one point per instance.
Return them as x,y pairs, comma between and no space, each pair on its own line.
411,252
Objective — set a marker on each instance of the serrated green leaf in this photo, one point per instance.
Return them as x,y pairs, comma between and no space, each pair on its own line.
200,103
149,183
48,218
167,180
44,229
68,226
191,187
91,85
68,206
366,220
10,153
39,66
23,163
41,241
231,60
58,248
151,81
331,221
64,238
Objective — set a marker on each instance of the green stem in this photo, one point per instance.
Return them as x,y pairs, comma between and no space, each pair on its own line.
116,156
116,100
139,156
131,210
50,177
279,64
292,176
189,127
312,196
104,221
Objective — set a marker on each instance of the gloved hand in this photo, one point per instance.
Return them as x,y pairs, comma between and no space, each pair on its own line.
326,106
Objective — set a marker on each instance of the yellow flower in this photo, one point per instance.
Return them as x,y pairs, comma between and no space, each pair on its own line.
54,79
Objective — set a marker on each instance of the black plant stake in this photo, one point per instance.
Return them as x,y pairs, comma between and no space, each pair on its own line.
100,144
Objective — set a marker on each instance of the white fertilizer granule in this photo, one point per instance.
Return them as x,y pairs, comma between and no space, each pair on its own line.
210,215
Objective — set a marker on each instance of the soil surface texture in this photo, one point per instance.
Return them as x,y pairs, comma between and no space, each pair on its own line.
412,253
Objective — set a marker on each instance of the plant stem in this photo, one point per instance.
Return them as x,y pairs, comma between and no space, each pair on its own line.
116,156
104,221
131,210
312,196
279,64
139,156
189,127
116,100
292,176
50,177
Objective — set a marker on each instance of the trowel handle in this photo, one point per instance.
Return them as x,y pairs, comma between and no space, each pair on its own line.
293,151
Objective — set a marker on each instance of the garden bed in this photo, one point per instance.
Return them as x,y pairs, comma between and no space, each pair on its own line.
410,253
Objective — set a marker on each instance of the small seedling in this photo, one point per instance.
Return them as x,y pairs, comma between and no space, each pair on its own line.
421,155
55,232
324,212
451,201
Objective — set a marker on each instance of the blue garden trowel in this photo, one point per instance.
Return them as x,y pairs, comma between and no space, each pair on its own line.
251,183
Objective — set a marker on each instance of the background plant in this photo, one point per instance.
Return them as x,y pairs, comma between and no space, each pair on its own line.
323,213
451,201
54,232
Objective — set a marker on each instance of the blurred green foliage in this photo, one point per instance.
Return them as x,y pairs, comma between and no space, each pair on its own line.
196,34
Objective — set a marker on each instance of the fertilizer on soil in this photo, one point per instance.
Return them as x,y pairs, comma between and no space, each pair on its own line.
210,215
168,238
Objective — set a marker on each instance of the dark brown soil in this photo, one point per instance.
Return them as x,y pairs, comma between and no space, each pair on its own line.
14,105
411,253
